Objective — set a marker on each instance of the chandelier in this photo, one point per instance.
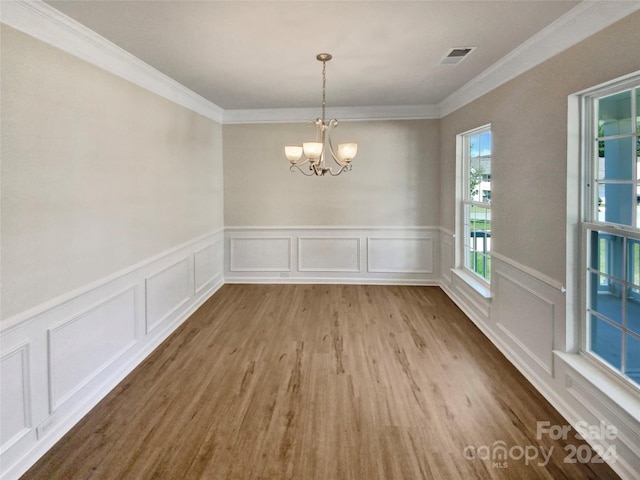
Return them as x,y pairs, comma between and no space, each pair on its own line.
314,152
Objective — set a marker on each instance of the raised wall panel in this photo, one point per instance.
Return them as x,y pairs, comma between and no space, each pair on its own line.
205,266
14,396
447,255
333,254
260,254
526,318
400,255
328,254
82,346
167,291
57,361
598,404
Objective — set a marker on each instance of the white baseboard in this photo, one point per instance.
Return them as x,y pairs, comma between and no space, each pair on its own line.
44,398
525,319
364,255
46,391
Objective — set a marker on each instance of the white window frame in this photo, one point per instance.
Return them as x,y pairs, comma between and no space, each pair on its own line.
480,283
588,218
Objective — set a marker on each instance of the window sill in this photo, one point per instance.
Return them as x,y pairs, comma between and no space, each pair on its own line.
479,286
624,396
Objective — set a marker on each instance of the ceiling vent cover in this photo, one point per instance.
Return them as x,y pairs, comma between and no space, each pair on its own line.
456,55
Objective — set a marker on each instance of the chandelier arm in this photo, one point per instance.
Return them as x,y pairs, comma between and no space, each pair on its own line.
301,162
319,168
344,168
334,123
291,168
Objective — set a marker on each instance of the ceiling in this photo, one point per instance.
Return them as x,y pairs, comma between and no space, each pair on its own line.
261,54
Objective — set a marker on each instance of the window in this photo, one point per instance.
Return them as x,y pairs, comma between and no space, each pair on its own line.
475,201
611,227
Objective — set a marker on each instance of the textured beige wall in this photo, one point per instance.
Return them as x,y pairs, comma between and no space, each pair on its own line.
97,173
394,182
529,124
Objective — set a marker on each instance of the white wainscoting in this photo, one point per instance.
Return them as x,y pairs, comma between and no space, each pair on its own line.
81,347
43,395
14,396
167,291
328,254
260,254
207,264
526,313
583,393
365,255
400,255
447,255
60,359
525,318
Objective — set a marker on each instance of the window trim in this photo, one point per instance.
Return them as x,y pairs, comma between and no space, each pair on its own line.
587,217
476,281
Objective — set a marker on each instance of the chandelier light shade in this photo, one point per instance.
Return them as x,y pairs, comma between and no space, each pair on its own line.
313,154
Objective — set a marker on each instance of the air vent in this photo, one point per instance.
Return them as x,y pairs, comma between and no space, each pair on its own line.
456,55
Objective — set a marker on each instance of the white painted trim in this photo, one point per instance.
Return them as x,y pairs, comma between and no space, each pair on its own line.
592,398
198,289
42,21
112,379
582,21
548,369
616,391
60,300
296,272
301,115
555,385
551,388
371,240
319,269
332,281
529,271
543,299
332,227
596,397
474,282
446,231
23,349
33,442
54,401
188,260
232,256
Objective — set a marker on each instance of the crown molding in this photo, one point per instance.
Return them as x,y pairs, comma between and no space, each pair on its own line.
579,23
296,115
41,21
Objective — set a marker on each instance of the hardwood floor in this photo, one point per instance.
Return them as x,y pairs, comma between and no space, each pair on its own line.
319,382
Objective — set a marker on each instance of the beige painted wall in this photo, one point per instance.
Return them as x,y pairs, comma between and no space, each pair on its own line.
529,124
394,182
97,173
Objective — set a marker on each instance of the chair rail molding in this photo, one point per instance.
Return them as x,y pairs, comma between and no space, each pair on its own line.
332,254
61,358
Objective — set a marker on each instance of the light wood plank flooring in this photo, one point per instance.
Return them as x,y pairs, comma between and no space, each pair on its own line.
317,382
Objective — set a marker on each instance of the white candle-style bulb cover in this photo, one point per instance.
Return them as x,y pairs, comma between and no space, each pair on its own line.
347,151
312,150
293,153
